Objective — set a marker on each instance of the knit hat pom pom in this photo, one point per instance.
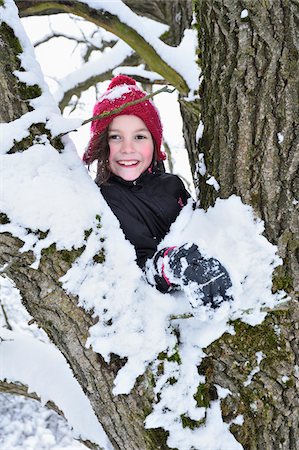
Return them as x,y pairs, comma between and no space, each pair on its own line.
121,79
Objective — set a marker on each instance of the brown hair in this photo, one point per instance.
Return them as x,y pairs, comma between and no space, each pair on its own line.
101,154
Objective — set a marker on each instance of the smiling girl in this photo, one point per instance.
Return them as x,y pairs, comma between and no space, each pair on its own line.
145,199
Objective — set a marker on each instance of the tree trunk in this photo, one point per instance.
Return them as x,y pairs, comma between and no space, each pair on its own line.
269,404
67,326
250,143
250,111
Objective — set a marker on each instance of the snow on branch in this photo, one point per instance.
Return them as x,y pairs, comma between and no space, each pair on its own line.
177,65
180,59
44,370
94,71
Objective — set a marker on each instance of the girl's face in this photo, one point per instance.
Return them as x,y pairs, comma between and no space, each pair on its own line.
131,147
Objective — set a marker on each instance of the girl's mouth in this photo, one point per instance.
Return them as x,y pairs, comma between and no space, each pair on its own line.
128,163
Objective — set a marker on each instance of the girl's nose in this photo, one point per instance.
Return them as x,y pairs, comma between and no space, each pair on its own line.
127,146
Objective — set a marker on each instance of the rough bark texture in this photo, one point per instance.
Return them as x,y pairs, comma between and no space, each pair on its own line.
250,111
269,404
67,326
65,323
13,93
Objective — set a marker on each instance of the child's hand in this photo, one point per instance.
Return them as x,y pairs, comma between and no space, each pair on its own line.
206,277
185,268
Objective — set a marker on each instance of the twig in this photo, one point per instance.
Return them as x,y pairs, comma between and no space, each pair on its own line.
119,109
9,327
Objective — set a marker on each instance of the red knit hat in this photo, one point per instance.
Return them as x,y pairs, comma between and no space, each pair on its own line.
121,90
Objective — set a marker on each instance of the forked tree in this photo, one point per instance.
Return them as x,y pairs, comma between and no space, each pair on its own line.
248,52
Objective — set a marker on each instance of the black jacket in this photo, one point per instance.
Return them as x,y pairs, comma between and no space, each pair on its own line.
145,208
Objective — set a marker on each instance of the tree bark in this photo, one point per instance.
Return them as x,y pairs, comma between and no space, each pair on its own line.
67,325
269,404
250,111
13,93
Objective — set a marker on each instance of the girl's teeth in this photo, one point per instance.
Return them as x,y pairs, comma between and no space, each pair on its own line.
128,163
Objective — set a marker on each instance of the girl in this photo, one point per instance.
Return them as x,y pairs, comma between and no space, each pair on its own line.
145,199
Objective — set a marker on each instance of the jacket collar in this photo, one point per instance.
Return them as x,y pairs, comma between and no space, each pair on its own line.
141,179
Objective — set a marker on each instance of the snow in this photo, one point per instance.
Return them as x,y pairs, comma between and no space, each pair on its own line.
45,108
54,193
285,378
259,357
280,138
199,131
46,183
244,14
43,369
26,425
104,63
213,182
181,58
137,71
200,165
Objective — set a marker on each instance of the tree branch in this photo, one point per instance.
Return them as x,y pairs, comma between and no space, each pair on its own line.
9,327
21,389
86,83
56,34
113,24
119,109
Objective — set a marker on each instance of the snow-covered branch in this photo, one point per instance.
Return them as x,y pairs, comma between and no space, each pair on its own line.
27,362
169,62
17,388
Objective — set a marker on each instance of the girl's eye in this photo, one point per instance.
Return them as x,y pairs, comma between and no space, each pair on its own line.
140,136
114,137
